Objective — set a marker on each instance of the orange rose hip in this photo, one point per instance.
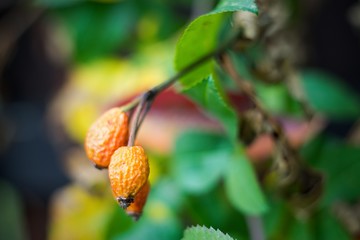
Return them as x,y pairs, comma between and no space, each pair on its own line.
128,172
135,208
109,132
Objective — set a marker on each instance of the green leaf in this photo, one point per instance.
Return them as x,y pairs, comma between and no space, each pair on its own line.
158,220
276,98
301,230
242,187
168,192
236,5
221,215
56,3
200,160
113,228
198,39
98,29
204,233
11,221
152,229
340,163
201,37
327,95
273,218
322,225
329,228
209,95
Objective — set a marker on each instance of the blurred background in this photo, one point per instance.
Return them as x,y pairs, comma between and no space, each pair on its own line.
62,63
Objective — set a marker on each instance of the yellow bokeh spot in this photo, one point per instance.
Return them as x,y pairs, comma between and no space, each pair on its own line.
148,28
158,211
154,171
79,119
95,86
75,214
101,78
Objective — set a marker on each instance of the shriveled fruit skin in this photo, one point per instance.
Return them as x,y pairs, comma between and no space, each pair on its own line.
135,209
109,132
128,172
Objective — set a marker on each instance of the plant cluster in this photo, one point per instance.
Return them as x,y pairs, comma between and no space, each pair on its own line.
242,50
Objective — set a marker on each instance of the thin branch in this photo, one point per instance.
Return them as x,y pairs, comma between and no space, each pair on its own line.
287,160
143,103
196,64
200,7
143,115
275,127
135,120
255,227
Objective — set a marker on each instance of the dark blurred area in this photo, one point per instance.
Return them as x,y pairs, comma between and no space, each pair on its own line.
333,44
30,161
29,79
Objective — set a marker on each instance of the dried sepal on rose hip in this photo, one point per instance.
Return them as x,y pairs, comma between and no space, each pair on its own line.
135,209
128,173
109,132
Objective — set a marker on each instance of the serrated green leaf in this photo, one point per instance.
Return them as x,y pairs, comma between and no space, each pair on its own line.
242,187
200,160
98,29
327,95
208,94
204,233
198,39
201,37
